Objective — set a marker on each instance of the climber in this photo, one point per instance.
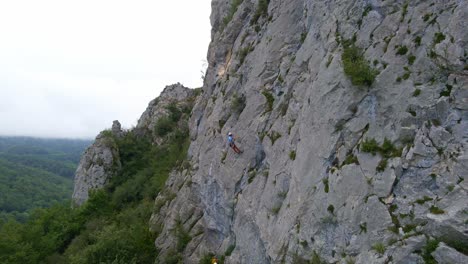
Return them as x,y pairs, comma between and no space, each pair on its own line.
214,260
232,144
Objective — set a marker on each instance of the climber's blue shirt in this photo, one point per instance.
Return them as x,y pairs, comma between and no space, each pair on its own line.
230,139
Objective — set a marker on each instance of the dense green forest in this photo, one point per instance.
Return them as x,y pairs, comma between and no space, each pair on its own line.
36,173
112,226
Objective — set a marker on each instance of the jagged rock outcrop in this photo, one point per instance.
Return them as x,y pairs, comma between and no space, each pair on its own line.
101,160
330,170
157,108
98,164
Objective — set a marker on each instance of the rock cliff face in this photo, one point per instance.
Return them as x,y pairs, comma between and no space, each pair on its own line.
332,172
97,165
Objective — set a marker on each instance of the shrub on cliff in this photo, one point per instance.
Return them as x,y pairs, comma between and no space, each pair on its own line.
356,67
232,10
262,10
238,103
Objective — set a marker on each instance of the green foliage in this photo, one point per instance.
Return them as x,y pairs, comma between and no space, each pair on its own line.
406,75
329,60
402,50
292,155
326,186
417,92
252,174
47,231
164,126
423,200
124,240
238,104
382,165
232,10
182,235
417,41
296,259
316,259
431,246
350,159
283,195
438,38
450,187
379,248
356,66
284,108
370,146
426,17
112,226
229,250
36,173
221,123
331,209
366,11
363,228
387,150
206,259
24,188
280,79
243,53
458,244
274,136
275,210
393,229
261,11
404,11
223,157
174,112
436,210
58,149
269,100
411,59
447,91
173,257
167,124
303,36
409,227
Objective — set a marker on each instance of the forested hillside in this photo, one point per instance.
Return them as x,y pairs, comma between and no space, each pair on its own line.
36,173
112,225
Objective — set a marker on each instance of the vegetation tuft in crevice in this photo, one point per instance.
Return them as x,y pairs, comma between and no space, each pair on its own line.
261,11
232,10
356,67
269,100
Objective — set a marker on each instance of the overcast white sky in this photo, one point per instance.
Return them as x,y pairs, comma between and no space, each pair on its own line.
69,68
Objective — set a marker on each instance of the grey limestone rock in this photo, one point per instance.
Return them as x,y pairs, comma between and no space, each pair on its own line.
304,188
97,165
447,255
